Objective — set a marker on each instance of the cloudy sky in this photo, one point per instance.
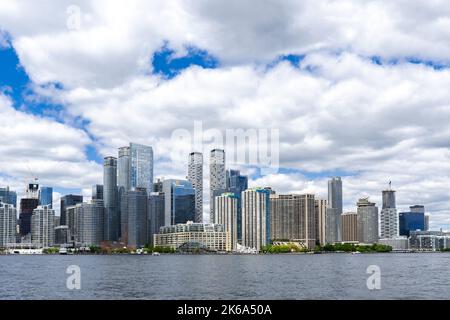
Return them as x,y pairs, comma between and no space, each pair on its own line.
357,89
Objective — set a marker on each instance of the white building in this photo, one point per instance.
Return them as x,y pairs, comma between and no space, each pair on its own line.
226,210
8,224
389,224
43,226
255,218
320,208
195,176
217,176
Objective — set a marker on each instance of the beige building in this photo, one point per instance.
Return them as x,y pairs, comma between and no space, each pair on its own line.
225,213
349,227
194,235
320,210
293,218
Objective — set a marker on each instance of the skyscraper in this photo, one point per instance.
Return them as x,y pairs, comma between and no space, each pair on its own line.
367,221
226,210
217,178
349,227
255,218
334,208
179,201
8,222
68,201
43,226
124,168
292,217
155,214
46,196
97,192
27,205
141,166
8,196
92,222
110,200
136,213
320,217
389,217
195,176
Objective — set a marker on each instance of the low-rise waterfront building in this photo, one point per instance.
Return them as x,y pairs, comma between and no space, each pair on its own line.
429,240
397,243
210,237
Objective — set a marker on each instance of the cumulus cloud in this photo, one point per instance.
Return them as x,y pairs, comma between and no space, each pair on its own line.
337,111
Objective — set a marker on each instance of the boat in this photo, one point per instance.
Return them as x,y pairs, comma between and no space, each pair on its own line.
63,251
156,254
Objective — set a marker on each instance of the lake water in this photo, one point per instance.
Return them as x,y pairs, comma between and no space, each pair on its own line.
323,276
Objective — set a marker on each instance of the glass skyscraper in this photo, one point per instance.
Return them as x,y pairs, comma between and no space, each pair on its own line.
217,178
46,196
179,201
141,166
412,221
110,200
8,196
68,201
334,210
195,176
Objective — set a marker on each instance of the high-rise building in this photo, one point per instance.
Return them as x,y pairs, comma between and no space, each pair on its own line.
226,210
292,217
367,221
320,209
141,166
414,220
217,179
349,227
255,218
388,217
155,214
110,200
92,223
331,223
8,222
136,207
68,201
46,196
158,186
8,196
195,176
27,205
179,203
97,192
235,183
73,219
334,207
124,168
61,235
43,226
427,222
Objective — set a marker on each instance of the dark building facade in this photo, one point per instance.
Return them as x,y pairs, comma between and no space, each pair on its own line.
27,205
68,200
155,214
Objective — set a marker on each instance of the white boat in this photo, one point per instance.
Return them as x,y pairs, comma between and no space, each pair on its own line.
155,254
25,251
62,250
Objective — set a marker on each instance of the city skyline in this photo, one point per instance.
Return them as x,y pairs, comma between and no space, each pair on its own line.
368,111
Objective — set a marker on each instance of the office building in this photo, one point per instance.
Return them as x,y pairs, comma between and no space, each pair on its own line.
292,218
195,176
8,223
320,209
349,227
110,200
217,179
155,214
73,219
367,216
389,217
124,168
414,220
46,196
226,211
61,235
92,223
97,192
179,205
158,185
334,207
255,218
134,209
68,201
141,166
194,237
399,243
43,226
8,196
331,224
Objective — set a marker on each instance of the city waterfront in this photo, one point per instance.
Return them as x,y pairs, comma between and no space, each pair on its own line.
304,276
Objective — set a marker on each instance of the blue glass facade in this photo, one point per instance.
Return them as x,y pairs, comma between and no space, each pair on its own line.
183,202
46,196
141,166
411,221
8,196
